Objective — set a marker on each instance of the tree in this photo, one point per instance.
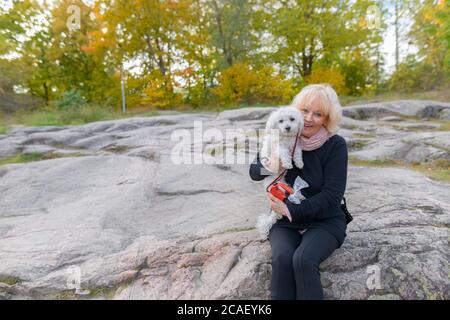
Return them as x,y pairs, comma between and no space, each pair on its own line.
306,32
431,33
15,72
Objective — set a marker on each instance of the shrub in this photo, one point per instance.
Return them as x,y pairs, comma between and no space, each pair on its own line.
412,75
331,76
70,100
159,92
241,83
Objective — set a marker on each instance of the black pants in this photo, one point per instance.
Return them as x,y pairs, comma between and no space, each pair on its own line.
295,262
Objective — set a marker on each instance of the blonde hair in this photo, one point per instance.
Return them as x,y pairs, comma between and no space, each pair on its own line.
329,103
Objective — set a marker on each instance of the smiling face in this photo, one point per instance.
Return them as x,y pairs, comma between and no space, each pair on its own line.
320,107
314,117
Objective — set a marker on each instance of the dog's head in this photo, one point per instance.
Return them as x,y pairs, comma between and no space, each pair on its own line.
288,120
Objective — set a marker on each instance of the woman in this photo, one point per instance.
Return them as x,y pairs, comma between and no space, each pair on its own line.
310,231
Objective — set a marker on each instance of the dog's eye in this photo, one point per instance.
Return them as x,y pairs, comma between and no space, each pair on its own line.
292,119
280,121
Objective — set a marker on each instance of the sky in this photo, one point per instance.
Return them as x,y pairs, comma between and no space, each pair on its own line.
388,46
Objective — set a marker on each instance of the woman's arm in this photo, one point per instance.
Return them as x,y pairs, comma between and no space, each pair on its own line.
323,204
257,171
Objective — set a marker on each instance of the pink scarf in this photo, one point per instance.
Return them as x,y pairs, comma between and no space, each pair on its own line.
315,141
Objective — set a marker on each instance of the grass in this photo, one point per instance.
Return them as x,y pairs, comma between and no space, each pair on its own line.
11,281
436,95
51,116
103,291
3,129
364,135
438,170
34,156
106,292
444,125
357,145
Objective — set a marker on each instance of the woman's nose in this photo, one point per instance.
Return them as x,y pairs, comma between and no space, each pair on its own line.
307,117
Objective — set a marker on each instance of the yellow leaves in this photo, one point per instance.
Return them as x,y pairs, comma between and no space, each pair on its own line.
242,84
159,92
362,23
96,41
334,77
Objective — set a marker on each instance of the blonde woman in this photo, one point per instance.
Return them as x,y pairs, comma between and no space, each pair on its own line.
309,232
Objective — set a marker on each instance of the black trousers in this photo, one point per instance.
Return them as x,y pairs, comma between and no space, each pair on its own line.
295,262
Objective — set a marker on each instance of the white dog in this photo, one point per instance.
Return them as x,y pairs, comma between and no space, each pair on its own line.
282,127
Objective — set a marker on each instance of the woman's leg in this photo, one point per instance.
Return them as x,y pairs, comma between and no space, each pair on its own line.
316,246
283,241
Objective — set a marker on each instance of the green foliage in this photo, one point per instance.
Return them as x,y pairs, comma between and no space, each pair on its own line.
10,280
437,169
52,116
412,75
430,68
71,100
197,53
3,129
23,158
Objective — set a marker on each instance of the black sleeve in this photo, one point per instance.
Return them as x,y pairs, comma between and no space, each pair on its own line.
257,170
323,204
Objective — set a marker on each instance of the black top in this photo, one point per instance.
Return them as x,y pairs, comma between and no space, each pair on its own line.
325,170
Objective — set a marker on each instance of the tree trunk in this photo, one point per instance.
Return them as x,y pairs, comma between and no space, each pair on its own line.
396,22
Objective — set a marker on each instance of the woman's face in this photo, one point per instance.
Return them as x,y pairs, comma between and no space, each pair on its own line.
314,118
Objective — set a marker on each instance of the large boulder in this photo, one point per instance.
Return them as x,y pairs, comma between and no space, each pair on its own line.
121,220
408,108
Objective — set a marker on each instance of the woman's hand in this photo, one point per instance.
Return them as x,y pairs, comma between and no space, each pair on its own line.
279,206
272,164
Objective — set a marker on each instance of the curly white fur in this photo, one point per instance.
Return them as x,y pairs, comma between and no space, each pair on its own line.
281,129
265,222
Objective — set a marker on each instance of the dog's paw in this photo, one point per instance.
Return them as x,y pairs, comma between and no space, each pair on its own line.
288,165
299,164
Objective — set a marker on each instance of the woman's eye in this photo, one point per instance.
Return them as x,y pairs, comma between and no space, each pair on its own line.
318,115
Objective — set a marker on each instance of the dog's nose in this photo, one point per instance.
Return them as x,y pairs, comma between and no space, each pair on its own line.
288,128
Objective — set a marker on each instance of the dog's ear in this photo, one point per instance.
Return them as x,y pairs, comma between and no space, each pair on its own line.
270,124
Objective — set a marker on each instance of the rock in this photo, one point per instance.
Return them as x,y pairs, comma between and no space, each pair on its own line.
160,271
125,276
409,108
431,111
412,148
392,119
445,114
125,220
417,126
388,296
245,114
192,259
36,148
